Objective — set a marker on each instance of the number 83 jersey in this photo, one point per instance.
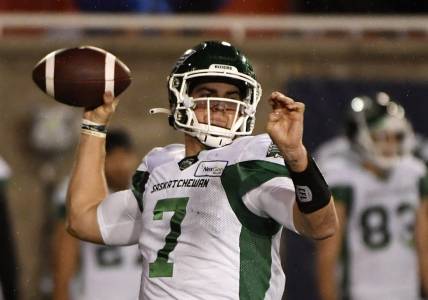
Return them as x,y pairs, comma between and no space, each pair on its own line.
208,226
378,249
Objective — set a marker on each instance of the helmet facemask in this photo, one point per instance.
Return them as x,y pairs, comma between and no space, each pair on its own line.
185,119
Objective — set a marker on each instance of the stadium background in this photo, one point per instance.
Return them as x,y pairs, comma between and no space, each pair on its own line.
292,49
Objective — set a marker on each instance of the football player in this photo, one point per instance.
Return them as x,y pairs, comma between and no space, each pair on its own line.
8,263
211,210
381,195
88,271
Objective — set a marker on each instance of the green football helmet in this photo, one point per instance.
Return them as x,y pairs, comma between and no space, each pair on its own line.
373,117
213,61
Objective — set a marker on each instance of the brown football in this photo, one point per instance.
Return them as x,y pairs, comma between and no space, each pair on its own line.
80,76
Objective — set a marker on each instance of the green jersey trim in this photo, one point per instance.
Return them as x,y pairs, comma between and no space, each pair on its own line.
139,181
344,194
241,178
423,187
187,162
3,184
255,265
255,241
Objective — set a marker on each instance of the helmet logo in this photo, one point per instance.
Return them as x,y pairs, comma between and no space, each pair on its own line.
185,55
176,82
223,68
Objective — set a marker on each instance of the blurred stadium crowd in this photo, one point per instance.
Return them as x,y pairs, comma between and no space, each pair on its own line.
218,6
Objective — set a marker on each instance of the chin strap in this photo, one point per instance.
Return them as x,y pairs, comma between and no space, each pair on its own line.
159,110
213,141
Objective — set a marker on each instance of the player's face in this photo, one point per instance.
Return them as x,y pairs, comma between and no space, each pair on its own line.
119,166
387,142
222,113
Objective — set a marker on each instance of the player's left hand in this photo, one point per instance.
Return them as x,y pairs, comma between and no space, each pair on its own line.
285,127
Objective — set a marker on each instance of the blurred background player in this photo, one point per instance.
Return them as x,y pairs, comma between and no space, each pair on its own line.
89,271
8,267
381,195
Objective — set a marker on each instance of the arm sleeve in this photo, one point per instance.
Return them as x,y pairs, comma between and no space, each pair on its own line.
119,219
275,199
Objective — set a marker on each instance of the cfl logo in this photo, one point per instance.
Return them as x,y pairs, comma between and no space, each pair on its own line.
303,193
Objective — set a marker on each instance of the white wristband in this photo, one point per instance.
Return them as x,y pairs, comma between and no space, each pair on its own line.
93,133
88,122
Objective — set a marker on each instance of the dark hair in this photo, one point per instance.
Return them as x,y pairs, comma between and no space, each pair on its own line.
118,138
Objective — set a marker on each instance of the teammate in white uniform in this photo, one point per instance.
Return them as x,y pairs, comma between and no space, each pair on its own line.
207,214
381,194
87,271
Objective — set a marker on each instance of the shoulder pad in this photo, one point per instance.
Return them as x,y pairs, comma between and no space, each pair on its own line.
161,155
335,163
411,164
259,147
339,169
336,146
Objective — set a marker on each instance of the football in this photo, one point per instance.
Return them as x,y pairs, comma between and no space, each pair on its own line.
80,76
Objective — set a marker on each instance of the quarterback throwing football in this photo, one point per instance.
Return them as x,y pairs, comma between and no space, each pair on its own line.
207,215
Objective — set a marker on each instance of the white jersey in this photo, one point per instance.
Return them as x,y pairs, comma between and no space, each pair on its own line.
379,255
109,272
4,170
331,148
422,148
211,224
106,273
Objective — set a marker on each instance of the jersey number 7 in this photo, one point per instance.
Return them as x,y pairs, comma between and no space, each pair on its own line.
161,267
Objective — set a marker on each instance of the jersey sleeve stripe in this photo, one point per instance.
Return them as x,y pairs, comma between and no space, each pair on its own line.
247,176
423,187
3,184
343,194
139,181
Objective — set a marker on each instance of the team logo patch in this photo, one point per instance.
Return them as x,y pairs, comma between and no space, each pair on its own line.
303,193
210,168
273,151
187,162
